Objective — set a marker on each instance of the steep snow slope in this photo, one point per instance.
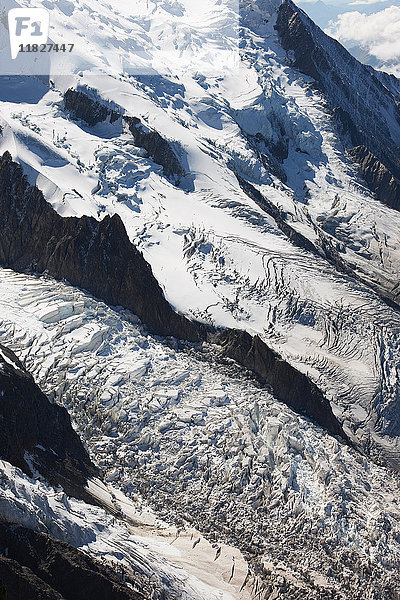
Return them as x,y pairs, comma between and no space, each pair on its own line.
203,444
218,256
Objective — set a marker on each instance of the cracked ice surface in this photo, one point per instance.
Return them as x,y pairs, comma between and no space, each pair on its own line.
202,443
217,256
143,545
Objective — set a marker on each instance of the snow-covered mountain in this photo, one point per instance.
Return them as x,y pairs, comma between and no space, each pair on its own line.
256,170
369,30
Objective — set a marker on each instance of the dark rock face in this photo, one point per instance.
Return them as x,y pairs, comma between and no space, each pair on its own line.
346,127
30,424
378,177
289,385
38,567
294,36
365,106
85,108
296,238
96,256
18,583
157,148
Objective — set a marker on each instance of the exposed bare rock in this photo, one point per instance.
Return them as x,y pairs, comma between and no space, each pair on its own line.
18,583
40,567
36,435
96,256
93,112
288,385
294,36
378,177
156,147
90,111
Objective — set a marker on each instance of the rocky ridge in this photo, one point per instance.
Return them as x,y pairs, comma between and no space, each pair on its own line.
289,386
367,114
81,106
96,256
37,436
76,249
35,565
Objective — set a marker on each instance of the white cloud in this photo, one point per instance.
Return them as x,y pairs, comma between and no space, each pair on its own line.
365,2
379,32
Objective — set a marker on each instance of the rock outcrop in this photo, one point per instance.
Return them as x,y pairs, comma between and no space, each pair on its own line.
80,105
92,112
156,147
279,217
377,176
366,114
36,566
38,436
288,385
93,255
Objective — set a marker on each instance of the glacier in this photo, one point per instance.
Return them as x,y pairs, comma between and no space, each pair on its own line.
175,424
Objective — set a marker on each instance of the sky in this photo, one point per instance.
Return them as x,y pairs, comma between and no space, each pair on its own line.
369,28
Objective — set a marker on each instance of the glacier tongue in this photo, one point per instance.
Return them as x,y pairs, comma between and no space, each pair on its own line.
167,421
